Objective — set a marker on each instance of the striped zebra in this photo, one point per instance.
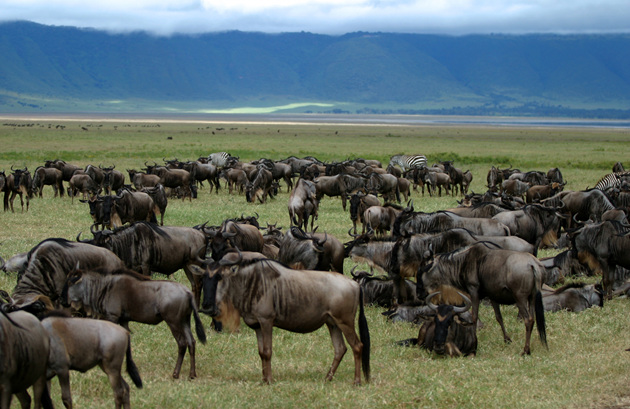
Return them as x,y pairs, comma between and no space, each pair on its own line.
612,180
219,159
407,162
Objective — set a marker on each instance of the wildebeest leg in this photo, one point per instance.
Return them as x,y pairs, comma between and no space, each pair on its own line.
499,317
263,335
357,348
336,336
112,367
24,398
180,338
526,312
64,384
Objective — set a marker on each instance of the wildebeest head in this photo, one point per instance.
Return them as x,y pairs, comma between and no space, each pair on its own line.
443,316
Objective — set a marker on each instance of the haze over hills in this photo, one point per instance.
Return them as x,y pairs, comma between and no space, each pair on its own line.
63,69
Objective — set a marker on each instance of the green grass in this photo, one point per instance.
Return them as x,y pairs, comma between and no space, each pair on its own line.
585,366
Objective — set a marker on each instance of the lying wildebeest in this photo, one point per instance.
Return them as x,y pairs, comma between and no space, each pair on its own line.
148,248
448,328
602,247
502,276
311,251
267,294
379,290
50,262
80,344
574,297
48,176
303,204
125,296
23,358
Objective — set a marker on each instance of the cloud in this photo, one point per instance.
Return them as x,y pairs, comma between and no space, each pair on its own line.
165,17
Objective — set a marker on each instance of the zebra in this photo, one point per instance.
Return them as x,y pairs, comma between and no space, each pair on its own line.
219,159
613,180
407,162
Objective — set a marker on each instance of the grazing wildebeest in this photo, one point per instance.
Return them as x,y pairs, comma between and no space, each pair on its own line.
23,358
147,248
80,344
574,297
502,276
96,173
311,251
602,247
50,262
303,204
448,328
18,183
125,296
409,222
267,294
48,176
260,186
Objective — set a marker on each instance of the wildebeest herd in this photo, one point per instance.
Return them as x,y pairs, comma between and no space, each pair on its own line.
437,268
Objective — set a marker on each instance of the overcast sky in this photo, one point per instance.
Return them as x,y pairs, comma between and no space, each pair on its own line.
456,17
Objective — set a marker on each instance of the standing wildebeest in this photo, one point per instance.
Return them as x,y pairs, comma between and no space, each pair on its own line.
375,253
231,235
267,294
158,194
359,203
533,223
48,176
384,184
503,276
381,218
80,344
96,173
235,178
24,348
174,178
18,183
125,296
148,248
67,169
303,204
112,179
311,251
130,207
141,180
409,222
331,186
448,328
581,205
50,262
602,247
203,171
540,192
84,184
261,185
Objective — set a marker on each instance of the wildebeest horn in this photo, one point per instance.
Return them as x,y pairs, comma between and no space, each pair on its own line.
198,253
352,272
91,230
428,301
466,307
352,235
224,262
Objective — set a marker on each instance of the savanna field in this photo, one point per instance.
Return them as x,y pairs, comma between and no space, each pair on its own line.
585,366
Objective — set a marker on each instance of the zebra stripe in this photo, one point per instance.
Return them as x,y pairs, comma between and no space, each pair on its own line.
218,159
612,180
407,162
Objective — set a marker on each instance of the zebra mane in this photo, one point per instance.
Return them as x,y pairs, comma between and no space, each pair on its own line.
611,180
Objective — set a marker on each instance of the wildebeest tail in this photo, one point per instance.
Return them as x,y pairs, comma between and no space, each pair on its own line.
540,318
364,334
45,400
199,329
132,369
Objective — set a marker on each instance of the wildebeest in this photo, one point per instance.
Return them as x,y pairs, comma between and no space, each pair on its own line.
303,204
515,187
174,178
235,178
48,176
311,251
502,276
50,262
18,183
581,205
381,218
359,203
158,194
260,186
540,192
147,248
112,179
364,249
23,358
141,180
125,296
129,207
574,297
385,185
534,223
448,327
67,169
84,184
267,294
231,235
200,172
409,222
80,344
96,173
602,247
379,290
331,186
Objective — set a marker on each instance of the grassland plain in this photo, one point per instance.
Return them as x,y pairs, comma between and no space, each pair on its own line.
585,366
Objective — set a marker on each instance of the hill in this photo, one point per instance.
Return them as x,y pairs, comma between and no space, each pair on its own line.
66,69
